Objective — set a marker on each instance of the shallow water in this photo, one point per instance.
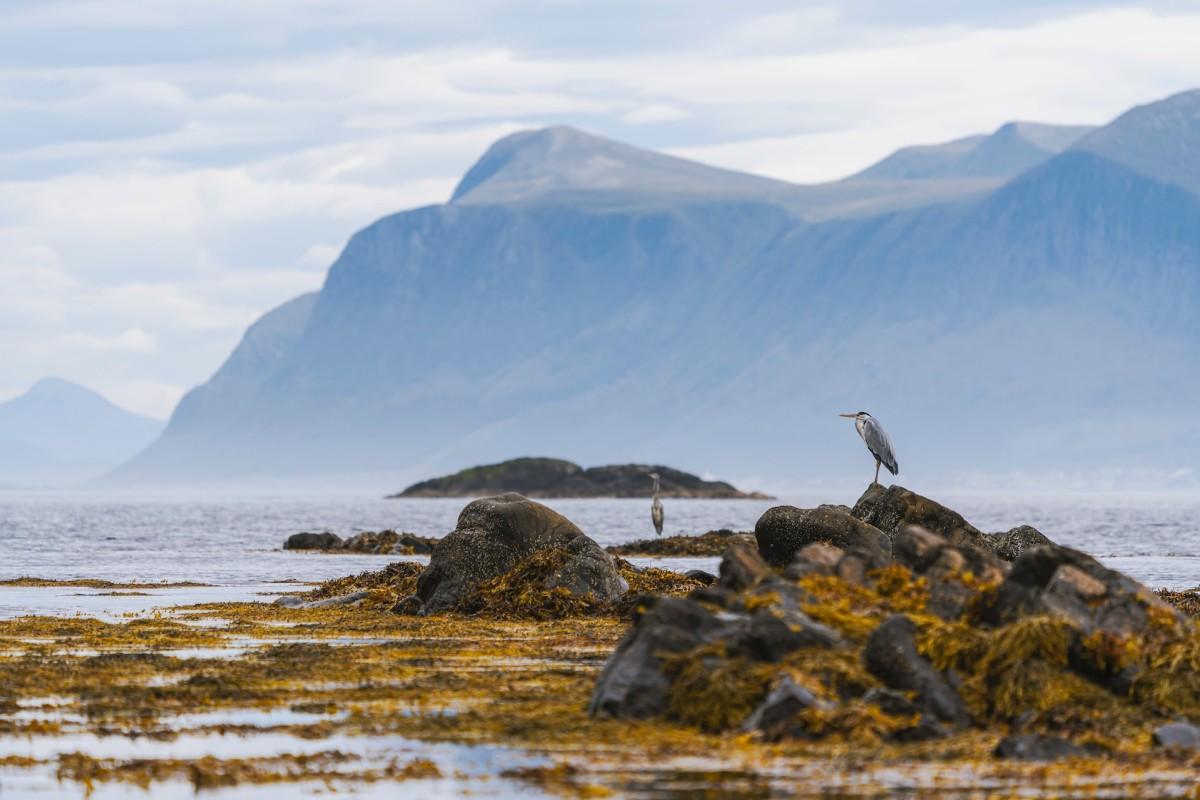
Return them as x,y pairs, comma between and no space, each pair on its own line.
233,541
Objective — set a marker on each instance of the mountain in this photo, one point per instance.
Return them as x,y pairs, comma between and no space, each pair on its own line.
1009,151
60,432
1157,139
578,293
556,478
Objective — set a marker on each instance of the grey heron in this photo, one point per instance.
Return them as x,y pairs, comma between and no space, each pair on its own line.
877,441
656,508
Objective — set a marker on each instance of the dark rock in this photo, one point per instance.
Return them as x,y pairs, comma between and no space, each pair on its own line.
774,714
770,638
1009,545
1178,736
854,565
706,578
495,534
891,655
818,558
1058,581
633,683
1030,747
783,531
893,509
313,541
944,565
742,567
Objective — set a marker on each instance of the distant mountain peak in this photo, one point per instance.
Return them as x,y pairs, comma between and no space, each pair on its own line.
1158,139
1006,152
535,163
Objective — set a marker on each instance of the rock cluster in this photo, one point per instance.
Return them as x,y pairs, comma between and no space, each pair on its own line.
866,622
381,543
712,543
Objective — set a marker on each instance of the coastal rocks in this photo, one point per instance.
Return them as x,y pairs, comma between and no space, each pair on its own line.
945,566
634,683
496,534
893,509
313,541
381,543
1009,545
783,530
1060,582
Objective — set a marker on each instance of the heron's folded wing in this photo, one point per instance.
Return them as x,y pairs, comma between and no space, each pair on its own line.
879,444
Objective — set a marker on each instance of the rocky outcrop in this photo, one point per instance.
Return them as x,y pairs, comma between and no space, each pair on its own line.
1054,648
1060,582
382,543
555,478
782,531
494,535
893,509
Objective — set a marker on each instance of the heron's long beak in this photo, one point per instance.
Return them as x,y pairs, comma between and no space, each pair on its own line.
851,416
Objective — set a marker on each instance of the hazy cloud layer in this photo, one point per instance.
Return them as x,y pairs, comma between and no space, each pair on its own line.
170,170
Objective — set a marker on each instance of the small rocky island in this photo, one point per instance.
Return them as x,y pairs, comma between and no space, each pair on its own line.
556,478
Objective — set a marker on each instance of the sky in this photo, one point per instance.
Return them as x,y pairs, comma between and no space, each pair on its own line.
169,171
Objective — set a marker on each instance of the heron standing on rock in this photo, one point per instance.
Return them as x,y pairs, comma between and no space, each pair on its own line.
656,509
877,442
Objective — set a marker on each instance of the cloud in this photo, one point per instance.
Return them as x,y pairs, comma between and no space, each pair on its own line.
134,340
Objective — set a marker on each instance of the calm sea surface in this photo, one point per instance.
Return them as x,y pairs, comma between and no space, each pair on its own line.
233,542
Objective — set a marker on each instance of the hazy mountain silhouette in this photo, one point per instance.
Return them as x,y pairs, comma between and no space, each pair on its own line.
1026,301
60,432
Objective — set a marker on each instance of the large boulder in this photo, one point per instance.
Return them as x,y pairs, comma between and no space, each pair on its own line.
893,509
783,531
495,534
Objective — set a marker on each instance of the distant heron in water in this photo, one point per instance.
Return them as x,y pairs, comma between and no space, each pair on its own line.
877,441
656,509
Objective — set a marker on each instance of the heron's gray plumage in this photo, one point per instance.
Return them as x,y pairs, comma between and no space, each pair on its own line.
656,507
877,442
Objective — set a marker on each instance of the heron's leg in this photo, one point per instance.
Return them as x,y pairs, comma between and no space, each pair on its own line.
877,462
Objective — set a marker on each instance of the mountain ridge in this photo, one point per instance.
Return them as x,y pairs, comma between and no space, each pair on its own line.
699,328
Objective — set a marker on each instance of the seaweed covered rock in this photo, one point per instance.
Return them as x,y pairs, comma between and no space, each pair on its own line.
783,530
1057,581
313,541
496,534
893,509
1049,651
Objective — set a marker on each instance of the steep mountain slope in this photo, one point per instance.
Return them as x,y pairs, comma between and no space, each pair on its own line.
59,432
1048,325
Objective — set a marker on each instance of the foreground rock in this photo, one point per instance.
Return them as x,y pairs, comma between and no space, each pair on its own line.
381,543
555,478
1054,649
497,534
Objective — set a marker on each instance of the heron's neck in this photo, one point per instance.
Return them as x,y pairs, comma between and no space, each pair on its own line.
656,487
